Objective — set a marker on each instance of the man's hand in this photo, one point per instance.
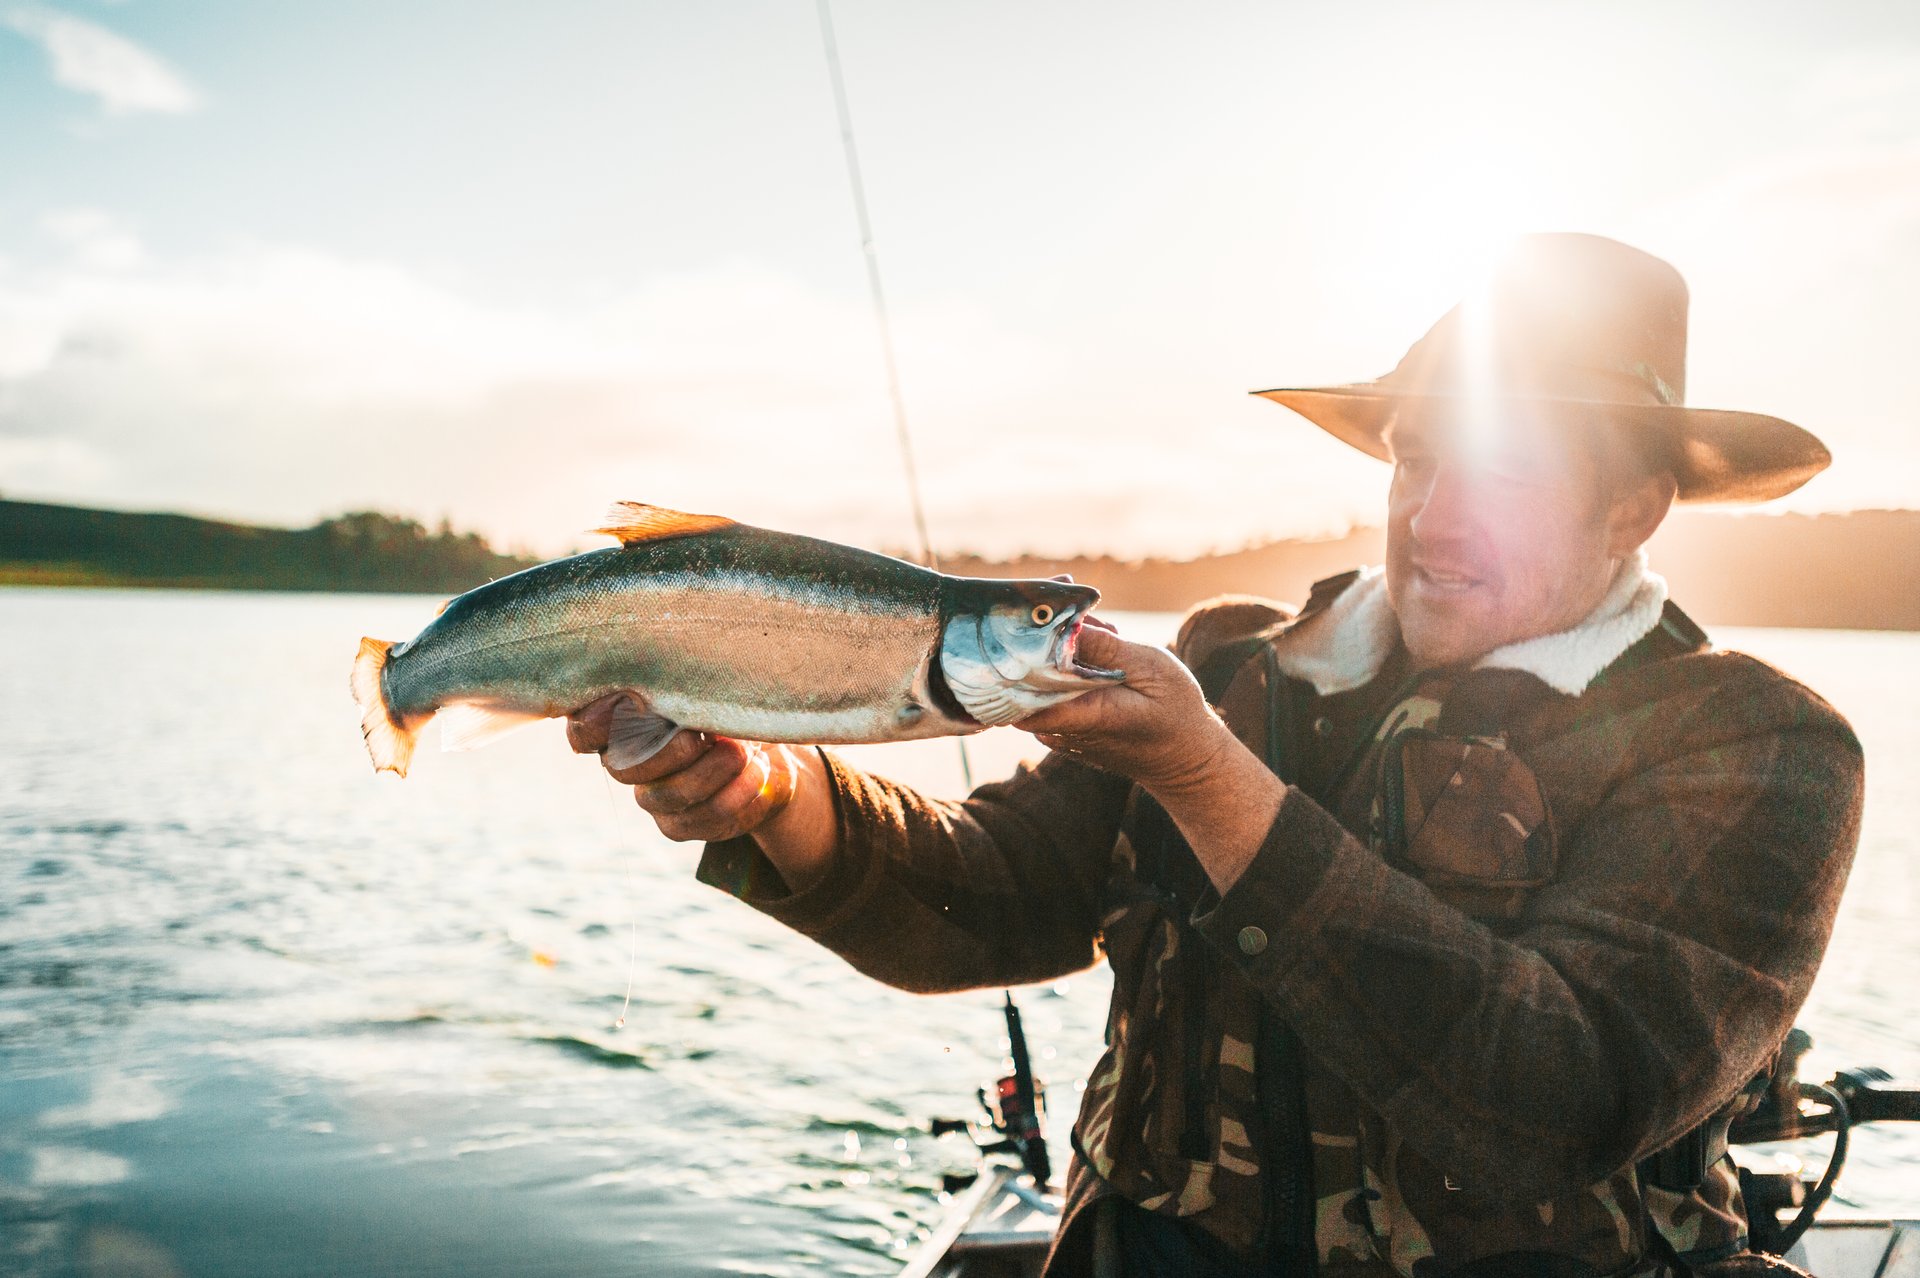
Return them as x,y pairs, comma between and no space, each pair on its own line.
706,787
1155,728
1158,729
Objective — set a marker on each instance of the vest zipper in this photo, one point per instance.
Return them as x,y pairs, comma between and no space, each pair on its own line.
1195,1142
1286,1150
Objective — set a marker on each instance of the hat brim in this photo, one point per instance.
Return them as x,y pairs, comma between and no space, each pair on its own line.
1719,455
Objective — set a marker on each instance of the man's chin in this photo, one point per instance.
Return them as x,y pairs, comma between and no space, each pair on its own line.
1434,642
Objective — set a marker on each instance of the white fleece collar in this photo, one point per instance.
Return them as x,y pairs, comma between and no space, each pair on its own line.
1344,645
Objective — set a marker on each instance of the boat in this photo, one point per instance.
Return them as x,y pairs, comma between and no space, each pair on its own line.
1000,1221
998,1227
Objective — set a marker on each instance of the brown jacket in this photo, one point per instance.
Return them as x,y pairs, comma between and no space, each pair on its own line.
1481,1058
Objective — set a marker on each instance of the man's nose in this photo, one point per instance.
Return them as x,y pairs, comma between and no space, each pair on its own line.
1449,505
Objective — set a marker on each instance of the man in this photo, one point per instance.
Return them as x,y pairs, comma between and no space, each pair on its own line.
1488,881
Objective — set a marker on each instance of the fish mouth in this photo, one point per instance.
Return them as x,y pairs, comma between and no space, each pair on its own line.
1066,653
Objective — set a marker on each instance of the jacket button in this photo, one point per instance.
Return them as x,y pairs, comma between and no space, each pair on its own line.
1323,727
1252,941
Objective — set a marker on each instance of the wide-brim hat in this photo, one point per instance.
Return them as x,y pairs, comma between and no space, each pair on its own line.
1578,319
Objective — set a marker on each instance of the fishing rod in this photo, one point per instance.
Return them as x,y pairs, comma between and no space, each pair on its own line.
1018,1106
882,318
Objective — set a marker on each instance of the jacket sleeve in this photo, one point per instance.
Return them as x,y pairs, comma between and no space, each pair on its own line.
933,895
1653,978
1004,888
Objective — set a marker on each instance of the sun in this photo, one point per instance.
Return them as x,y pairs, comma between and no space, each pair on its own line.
1463,208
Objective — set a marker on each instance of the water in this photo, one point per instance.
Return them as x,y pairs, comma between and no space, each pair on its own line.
264,1013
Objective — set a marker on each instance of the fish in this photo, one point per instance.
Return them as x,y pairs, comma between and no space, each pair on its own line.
718,626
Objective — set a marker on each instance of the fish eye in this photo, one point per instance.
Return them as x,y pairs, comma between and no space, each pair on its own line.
1042,614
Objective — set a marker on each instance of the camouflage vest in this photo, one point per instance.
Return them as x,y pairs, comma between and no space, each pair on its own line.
1205,1106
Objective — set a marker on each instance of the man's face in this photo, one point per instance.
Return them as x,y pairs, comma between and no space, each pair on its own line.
1497,530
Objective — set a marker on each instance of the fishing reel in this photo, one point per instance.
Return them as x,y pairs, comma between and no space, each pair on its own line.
1015,1107
1791,1109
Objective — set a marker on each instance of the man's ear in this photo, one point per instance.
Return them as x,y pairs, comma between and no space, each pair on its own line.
1637,511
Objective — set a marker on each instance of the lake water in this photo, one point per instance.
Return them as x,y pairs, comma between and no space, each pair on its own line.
264,1013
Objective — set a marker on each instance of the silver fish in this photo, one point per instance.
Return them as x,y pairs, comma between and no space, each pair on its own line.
718,626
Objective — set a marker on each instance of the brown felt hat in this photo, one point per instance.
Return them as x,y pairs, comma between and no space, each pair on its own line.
1579,319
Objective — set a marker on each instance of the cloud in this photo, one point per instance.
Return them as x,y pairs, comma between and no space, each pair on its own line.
96,239
282,383
88,58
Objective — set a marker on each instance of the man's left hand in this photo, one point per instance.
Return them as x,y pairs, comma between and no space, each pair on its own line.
1155,728
1158,729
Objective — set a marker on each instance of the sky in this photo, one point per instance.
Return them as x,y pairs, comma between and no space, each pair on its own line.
508,263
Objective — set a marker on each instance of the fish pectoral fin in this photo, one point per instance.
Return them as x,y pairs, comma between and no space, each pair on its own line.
635,735
635,522
468,725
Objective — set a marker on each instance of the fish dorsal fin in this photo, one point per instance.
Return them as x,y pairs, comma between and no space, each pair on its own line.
634,522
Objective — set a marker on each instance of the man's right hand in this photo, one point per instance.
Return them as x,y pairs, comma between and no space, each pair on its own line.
706,787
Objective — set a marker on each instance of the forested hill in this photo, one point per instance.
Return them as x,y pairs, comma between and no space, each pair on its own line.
1854,571
72,546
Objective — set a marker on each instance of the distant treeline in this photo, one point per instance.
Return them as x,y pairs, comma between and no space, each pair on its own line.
1854,571
71,546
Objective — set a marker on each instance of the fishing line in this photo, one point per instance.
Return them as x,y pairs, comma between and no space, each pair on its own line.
633,918
633,945
881,317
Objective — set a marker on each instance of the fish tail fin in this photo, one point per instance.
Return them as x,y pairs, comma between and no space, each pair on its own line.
390,739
